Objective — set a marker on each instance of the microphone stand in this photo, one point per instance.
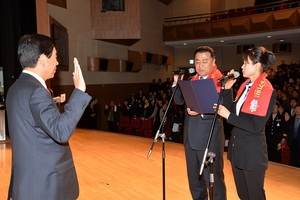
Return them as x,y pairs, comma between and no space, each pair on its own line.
208,143
163,136
210,162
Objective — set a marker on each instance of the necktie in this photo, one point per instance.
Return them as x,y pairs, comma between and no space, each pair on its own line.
48,91
201,77
245,94
242,98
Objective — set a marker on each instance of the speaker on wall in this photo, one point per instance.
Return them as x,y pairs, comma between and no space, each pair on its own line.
243,47
282,47
129,66
103,64
164,59
148,57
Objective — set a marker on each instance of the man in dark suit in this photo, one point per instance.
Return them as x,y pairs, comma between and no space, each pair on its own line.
196,131
42,163
291,109
294,137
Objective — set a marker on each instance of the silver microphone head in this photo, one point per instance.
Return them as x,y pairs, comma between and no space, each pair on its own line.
192,70
211,154
236,74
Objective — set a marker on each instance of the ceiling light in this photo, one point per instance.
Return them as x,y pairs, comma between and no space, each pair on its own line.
222,41
184,43
269,36
281,40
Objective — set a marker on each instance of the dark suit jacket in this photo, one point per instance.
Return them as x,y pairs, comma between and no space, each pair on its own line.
197,128
196,132
290,128
247,146
42,163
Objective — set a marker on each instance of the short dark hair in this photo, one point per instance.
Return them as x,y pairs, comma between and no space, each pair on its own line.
32,46
260,55
294,99
203,49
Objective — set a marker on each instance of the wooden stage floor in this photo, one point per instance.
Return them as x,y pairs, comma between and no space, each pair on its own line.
115,166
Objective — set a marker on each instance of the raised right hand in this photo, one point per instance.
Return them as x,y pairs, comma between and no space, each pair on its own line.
78,79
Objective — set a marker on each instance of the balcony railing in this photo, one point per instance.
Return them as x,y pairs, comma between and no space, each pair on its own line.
231,13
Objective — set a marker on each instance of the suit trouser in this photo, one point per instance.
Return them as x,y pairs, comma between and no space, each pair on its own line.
295,153
200,184
249,184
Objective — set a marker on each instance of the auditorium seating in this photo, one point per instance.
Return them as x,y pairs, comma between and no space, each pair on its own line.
167,128
249,10
268,7
146,128
123,123
135,123
285,156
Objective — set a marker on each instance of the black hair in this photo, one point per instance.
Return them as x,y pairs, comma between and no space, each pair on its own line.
295,99
277,104
31,47
203,49
260,55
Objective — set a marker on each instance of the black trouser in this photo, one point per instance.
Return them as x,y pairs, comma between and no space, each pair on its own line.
249,184
200,184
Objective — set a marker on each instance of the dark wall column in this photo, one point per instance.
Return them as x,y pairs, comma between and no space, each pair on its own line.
17,17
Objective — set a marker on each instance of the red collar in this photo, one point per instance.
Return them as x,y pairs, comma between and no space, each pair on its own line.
215,74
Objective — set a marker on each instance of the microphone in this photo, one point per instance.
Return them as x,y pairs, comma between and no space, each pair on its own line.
211,154
183,71
229,76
